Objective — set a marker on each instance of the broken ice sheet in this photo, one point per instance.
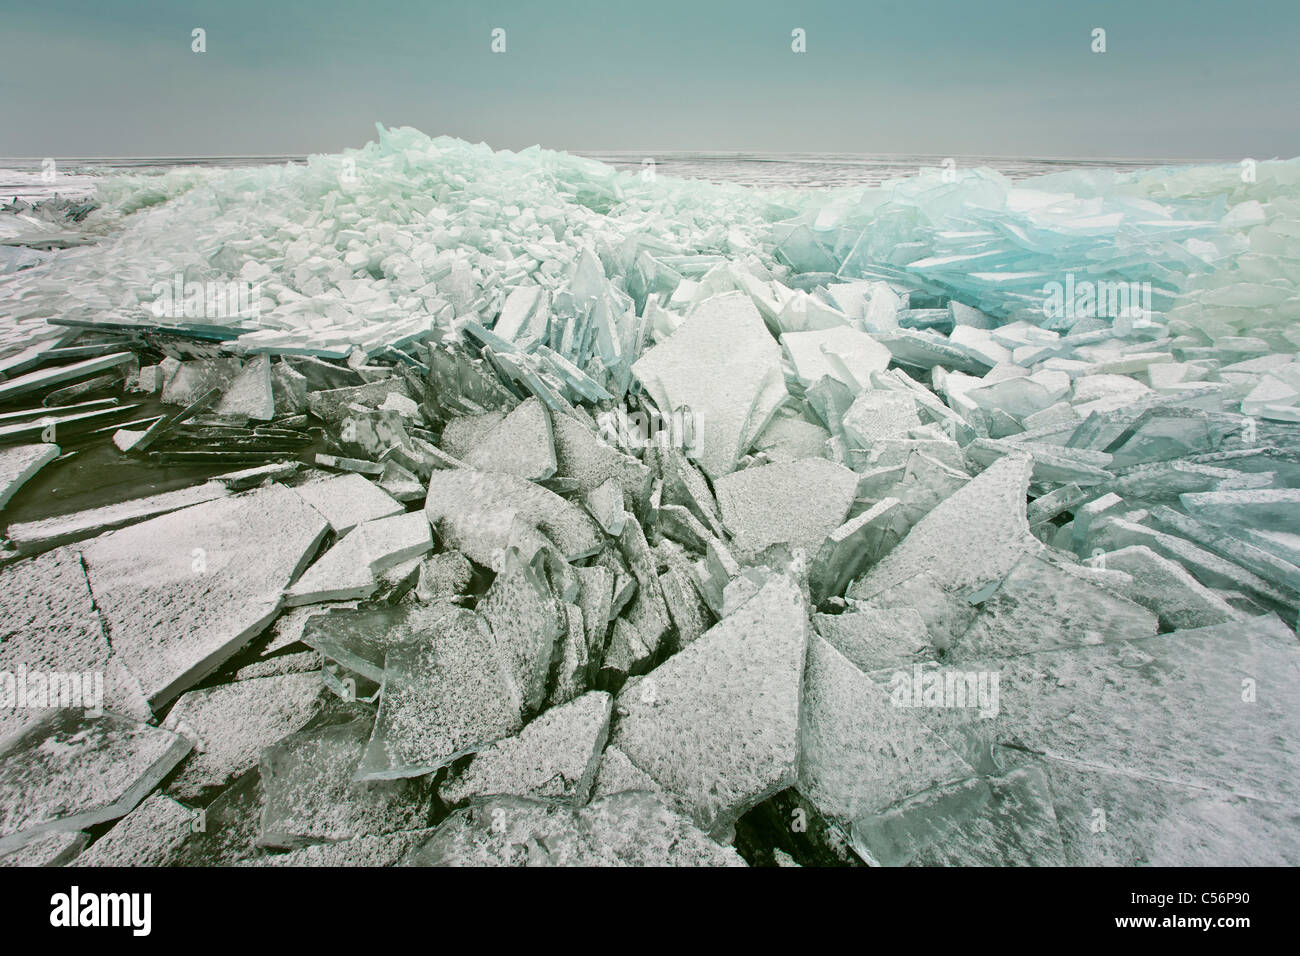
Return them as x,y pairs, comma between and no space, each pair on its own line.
446,693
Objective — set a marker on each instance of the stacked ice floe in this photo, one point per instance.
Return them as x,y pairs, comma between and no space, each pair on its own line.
863,525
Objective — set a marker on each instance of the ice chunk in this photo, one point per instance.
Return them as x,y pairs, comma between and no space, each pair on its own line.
716,724
448,690
70,771
1165,588
230,724
858,751
1154,822
874,637
475,512
971,539
1039,606
250,394
724,367
1169,707
312,796
341,574
842,352
553,758
854,546
520,444
623,829
19,463
879,414
51,849
1275,509
772,505
1000,821
527,620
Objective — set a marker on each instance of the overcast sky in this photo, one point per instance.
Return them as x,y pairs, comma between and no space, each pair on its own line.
1180,79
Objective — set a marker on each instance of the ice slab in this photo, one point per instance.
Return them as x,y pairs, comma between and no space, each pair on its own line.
347,500
1171,707
873,637
71,771
553,758
341,574
51,638
149,835
51,849
717,723
772,504
521,444
1275,509
32,537
385,849
1039,606
858,751
250,395
231,724
19,463
583,458
312,796
476,512
182,592
1113,818
446,693
720,364
623,829
842,352
1001,821
1166,588
527,620
969,540
443,577
879,414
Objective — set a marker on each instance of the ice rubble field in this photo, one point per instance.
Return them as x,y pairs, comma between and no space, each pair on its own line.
936,577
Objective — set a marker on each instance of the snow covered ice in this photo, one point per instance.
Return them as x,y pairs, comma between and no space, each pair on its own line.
471,507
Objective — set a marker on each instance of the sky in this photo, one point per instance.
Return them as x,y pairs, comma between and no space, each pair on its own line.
1180,79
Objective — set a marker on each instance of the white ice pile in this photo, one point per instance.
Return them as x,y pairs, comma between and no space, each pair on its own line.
675,509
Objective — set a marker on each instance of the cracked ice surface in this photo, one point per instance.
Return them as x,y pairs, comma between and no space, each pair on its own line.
574,517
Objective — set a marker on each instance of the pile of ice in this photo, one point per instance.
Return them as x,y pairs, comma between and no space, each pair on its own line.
664,522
